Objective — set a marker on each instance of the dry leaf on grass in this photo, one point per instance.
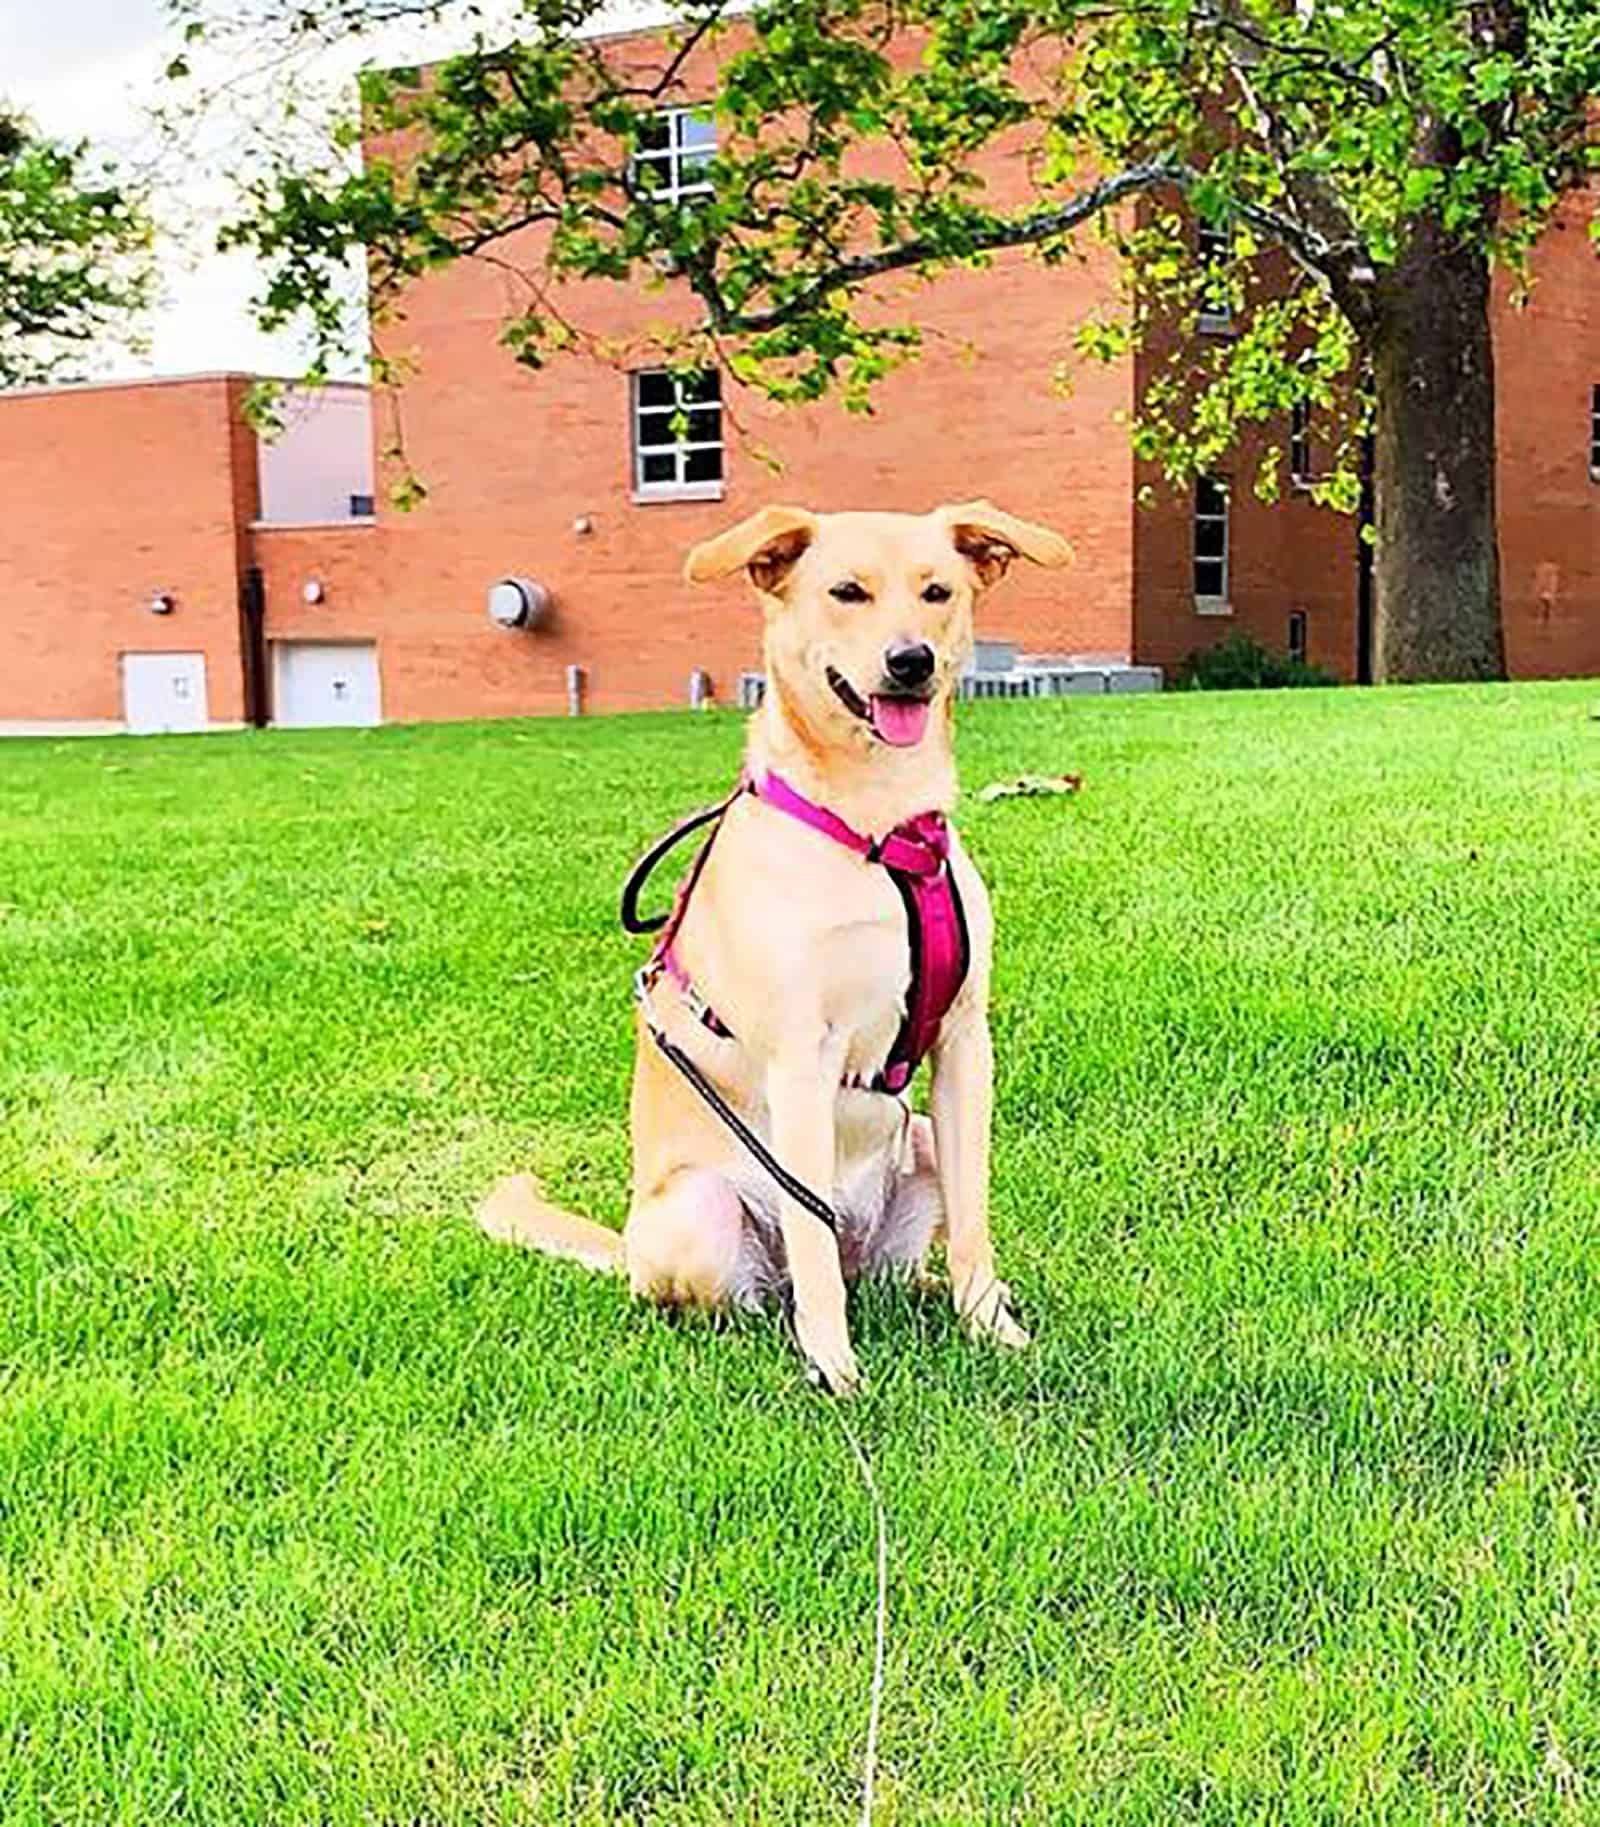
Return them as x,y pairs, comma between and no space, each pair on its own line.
1029,786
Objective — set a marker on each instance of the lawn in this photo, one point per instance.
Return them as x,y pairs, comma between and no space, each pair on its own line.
317,1508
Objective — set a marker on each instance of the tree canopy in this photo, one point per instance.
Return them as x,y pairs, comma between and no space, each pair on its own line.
74,255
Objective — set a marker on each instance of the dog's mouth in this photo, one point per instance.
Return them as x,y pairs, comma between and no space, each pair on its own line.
897,718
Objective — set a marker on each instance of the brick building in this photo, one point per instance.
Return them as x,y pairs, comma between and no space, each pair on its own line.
160,568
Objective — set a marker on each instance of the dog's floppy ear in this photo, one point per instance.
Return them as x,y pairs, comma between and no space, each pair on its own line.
989,538
766,545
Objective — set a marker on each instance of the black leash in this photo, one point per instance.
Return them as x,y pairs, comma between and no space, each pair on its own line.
632,920
797,1189
635,922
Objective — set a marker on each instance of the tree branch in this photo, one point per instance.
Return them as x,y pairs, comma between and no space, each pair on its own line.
1323,260
1021,231
667,80
1229,19
1320,218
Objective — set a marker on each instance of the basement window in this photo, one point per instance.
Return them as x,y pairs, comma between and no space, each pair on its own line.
677,435
673,160
1594,433
1211,542
1297,635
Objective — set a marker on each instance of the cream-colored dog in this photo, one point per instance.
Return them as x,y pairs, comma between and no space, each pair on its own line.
800,945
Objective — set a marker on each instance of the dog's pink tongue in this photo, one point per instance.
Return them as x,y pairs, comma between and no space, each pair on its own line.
899,721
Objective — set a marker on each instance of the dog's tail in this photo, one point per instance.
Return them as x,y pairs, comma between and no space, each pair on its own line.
515,1213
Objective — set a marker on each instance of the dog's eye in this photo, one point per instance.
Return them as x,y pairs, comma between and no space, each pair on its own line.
936,593
849,592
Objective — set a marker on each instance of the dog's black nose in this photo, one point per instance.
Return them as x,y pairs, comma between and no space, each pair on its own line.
909,664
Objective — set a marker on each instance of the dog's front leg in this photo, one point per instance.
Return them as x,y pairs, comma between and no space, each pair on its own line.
802,1086
963,1101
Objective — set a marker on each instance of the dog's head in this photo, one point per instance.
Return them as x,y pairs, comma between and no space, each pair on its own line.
869,616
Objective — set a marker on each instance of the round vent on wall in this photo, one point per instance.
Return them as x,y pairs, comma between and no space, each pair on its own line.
518,602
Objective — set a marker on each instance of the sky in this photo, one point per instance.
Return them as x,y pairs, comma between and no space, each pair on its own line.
88,68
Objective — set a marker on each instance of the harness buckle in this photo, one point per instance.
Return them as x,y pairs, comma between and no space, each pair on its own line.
650,974
644,981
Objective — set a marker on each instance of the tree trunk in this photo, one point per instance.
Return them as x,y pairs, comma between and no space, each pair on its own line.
1438,553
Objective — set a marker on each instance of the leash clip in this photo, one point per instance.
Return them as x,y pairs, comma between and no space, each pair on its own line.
645,979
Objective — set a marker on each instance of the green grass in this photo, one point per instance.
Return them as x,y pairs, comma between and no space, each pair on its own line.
316,1508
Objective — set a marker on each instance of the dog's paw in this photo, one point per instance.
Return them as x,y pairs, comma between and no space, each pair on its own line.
829,1357
986,1314
507,1213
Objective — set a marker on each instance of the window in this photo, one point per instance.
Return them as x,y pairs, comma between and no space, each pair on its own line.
1214,246
1300,444
673,162
677,434
1594,433
1211,545
1297,635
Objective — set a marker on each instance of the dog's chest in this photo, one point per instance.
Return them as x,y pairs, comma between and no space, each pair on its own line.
797,941
863,964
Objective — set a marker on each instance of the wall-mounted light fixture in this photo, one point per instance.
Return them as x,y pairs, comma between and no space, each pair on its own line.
518,602
162,603
314,591
583,525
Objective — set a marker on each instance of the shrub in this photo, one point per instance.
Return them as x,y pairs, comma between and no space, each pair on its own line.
1241,663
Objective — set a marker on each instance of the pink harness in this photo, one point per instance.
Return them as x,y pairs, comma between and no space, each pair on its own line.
916,857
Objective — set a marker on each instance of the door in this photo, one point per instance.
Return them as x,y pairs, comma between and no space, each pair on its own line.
325,684
163,693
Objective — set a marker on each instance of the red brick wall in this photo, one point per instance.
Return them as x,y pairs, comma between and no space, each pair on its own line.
1296,555
350,564
107,495
1285,555
512,460
1547,360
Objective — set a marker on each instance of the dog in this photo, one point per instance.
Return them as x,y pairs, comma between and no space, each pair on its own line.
786,978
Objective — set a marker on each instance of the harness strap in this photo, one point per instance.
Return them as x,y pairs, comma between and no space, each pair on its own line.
918,848
914,855
941,955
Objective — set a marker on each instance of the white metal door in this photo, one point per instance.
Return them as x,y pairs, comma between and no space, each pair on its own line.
163,693
326,684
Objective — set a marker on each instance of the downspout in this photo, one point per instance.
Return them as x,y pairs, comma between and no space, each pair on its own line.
253,646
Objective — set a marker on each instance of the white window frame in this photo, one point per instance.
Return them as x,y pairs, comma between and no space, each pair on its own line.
676,159
1301,473
680,488
1214,248
1208,602
1594,432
